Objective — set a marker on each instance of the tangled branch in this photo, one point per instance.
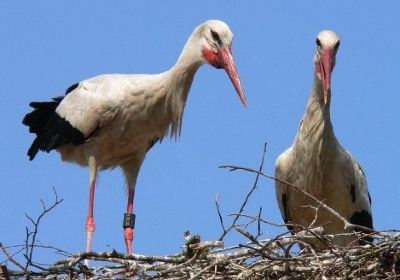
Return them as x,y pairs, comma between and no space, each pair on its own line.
256,257
273,258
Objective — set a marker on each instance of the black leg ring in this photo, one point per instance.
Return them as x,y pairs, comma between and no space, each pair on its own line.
129,220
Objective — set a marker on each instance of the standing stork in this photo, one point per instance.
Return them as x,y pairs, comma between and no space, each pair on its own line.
317,163
113,120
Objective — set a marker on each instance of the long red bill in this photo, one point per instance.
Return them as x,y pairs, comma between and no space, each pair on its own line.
326,65
227,62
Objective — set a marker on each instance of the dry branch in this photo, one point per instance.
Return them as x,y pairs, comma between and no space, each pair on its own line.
256,257
273,258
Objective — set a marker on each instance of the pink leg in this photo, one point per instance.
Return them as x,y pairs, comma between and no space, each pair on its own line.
131,171
129,222
90,225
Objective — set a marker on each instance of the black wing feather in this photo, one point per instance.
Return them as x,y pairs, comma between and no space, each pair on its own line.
363,218
285,214
51,130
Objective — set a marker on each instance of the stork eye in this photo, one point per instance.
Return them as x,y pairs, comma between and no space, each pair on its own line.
216,37
318,43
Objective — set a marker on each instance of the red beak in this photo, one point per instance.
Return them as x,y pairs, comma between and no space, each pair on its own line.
227,62
326,64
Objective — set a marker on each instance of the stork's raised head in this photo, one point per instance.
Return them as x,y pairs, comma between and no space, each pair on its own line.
215,40
325,58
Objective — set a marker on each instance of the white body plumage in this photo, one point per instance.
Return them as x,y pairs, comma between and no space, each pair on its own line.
121,115
113,120
318,163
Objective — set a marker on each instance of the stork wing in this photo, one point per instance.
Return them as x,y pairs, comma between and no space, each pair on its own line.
282,169
87,108
96,101
361,200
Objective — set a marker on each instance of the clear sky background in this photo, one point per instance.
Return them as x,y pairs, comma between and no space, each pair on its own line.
45,46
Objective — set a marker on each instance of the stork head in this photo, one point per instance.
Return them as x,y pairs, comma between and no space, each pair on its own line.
215,39
325,58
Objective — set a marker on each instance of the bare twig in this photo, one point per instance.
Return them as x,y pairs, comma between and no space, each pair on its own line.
221,220
248,194
274,258
346,223
30,240
278,257
11,258
259,222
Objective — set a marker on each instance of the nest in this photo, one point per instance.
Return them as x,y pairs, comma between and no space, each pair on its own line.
285,256
276,258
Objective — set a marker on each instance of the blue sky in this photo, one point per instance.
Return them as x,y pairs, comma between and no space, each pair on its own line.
45,46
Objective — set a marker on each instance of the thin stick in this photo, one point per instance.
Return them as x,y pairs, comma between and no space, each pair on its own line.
10,257
31,235
221,220
248,194
320,203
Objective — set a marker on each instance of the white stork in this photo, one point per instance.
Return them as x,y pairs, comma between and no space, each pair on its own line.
317,163
113,120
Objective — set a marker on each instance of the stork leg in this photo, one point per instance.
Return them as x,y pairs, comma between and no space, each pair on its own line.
131,171
90,225
129,221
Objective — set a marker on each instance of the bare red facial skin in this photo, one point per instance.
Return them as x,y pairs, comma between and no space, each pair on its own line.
211,58
324,68
223,59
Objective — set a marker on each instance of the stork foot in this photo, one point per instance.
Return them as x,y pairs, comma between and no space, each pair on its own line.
129,233
90,227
